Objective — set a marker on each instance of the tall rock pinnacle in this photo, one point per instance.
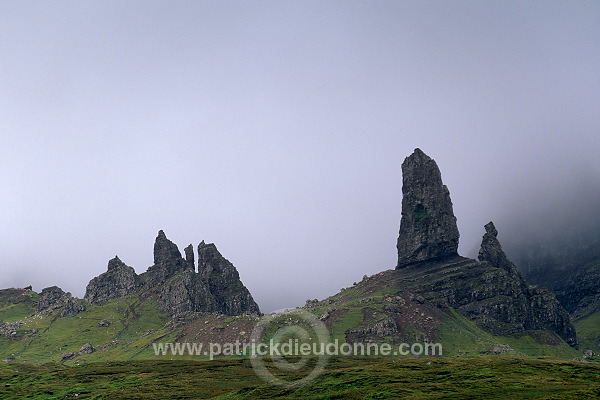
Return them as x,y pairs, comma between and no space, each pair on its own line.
491,250
165,251
167,259
428,228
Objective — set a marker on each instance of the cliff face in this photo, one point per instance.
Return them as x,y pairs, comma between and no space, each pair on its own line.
120,280
428,229
167,259
224,282
568,266
491,291
174,284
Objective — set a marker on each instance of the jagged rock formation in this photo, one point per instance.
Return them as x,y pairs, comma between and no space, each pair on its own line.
491,292
118,281
543,310
224,282
175,286
491,250
189,256
54,298
167,259
428,229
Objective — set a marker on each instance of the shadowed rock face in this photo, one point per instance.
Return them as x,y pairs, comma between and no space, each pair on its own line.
54,300
165,251
173,283
224,282
428,229
491,250
167,259
189,256
120,280
523,305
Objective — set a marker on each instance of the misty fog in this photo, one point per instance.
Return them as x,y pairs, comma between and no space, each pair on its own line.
277,131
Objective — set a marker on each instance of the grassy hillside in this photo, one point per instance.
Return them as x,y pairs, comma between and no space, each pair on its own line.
119,329
588,332
16,304
397,296
386,307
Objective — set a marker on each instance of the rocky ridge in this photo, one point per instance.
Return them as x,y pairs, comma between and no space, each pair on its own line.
172,281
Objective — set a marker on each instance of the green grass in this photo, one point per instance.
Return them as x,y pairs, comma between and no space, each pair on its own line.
16,312
349,320
133,325
531,343
588,333
461,337
344,378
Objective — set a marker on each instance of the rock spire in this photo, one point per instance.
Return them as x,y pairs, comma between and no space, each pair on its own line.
491,250
173,283
167,259
428,229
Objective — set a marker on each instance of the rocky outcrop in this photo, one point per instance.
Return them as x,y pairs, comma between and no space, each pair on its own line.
179,291
10,328
224,282
118,281
86,349
491,250
183,295
493,294
54,300
428,229
175,286
541,308
491,291
189,256
167,259
51,297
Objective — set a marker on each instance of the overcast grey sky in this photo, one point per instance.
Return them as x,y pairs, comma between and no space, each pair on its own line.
277,129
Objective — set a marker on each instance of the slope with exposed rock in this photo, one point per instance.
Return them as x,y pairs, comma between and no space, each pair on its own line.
432,282
433,295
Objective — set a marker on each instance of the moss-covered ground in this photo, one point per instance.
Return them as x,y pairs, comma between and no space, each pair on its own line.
485,377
